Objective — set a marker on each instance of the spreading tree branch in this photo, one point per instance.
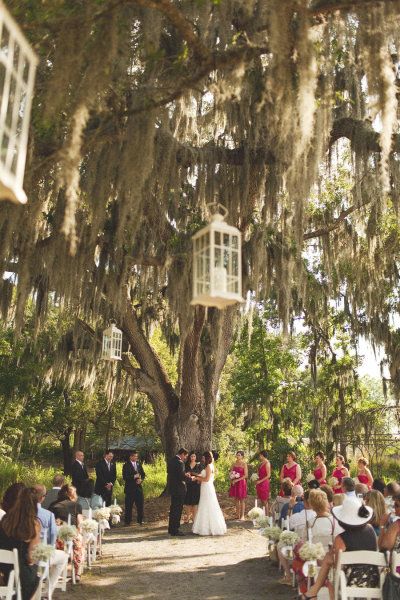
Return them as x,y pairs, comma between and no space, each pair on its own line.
320,7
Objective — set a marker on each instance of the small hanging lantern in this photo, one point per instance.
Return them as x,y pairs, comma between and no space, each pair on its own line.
217,263
112,343
17,75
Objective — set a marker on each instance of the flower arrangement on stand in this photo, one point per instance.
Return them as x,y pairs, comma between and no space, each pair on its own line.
286,542
42,553
90,528
263,521
272,534
66,533
311,553
255,513
103,515
115,512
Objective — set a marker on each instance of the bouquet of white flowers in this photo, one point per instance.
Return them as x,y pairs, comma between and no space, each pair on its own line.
310,477
333,482
263,521
254,477
115,509
310,551
102,514
255,513
272,533
66,533
234,475
90,526
42,553
288,538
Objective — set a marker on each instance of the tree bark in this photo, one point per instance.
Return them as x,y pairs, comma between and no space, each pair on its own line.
185,415
66,450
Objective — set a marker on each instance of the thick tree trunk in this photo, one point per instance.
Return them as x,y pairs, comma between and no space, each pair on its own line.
185,415
65,442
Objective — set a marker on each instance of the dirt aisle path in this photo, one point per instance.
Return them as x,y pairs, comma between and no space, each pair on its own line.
145,563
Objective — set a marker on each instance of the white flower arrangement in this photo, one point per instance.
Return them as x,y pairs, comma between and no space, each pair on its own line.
115,519
255,513
102,514
115,509
90,526
42,553
66,533
263,521
310,477
333,482
310,551
356,480
272,533
288,538
254,477
234,475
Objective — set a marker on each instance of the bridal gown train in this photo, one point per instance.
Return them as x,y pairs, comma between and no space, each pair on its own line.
209,519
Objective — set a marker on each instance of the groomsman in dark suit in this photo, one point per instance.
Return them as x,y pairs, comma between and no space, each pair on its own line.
78,469
106,474
177,490
133,475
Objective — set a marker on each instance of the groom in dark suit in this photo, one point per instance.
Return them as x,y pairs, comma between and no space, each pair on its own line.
106,474
133,475
177,489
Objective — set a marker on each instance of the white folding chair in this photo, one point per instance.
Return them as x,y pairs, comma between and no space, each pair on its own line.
91,543
359,557
10,557
44,581
285,524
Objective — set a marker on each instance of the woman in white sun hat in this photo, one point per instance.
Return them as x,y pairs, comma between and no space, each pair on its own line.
354,517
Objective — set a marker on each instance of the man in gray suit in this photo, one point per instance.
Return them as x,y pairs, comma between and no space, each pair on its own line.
52,495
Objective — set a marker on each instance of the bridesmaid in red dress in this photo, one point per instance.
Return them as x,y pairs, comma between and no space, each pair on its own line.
364,474
262,484
340,472
320,469
238,490
291,470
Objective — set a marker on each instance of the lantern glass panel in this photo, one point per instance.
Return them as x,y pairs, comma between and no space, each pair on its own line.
226,239
235,241
217,238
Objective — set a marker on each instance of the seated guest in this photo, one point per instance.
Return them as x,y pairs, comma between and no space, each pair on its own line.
65,505
324,528
49,529
86,496
295,503
329,493
10,495
313,484
389,539
20,529
379,485
349,487
301,520
376,501
391,490
52,494
338,499
284,499
360,489
354,518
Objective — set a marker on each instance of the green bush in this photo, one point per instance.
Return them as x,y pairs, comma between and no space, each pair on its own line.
28,474
156,478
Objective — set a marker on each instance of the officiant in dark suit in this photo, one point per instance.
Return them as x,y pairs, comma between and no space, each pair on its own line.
177,489
78,469
133,475
106,474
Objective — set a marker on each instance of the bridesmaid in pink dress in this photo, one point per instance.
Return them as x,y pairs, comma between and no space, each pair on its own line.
364,474
291,470
320,470
340,472
238,490
262,484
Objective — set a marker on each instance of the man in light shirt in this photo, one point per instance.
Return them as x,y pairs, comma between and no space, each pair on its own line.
48,534
349,487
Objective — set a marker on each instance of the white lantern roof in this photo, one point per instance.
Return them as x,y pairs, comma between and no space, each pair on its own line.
217,277
18,65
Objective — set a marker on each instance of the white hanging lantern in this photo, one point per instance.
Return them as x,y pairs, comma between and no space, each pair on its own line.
112,343
217,263
17,75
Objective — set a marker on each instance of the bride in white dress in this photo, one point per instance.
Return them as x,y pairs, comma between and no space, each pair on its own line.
209,519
